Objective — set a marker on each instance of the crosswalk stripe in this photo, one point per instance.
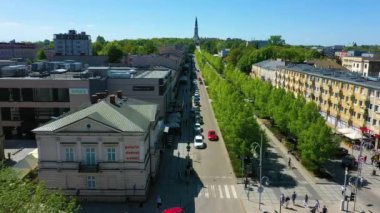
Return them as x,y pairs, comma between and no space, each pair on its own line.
233,191
227,192
206,192
220,191
213,191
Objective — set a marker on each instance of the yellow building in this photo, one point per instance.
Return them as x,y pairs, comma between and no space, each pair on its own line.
346,99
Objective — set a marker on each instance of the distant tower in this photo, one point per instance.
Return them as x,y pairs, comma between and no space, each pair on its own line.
196,37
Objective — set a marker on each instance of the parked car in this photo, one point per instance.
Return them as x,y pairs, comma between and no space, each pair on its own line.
212,136
198,142
197,127
350,162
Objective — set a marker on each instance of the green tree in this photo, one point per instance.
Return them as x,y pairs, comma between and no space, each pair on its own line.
114,52
41,55
25,196
276,40
98,45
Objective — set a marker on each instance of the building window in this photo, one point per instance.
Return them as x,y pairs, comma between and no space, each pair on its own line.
111,154
90,156
360,103
69,154
368,119
91,183
376,108
365,66
359,116
374,121
370,106
354,114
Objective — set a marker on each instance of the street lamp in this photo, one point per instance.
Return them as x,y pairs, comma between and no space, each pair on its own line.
261,188
254,145
359,173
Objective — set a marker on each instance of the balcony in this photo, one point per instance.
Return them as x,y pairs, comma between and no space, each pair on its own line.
88,168
59,165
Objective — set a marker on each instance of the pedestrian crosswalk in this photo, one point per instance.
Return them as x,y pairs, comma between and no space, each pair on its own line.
217,191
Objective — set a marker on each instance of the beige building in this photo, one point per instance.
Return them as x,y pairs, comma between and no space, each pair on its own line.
369,67
346,100
266,70
107,151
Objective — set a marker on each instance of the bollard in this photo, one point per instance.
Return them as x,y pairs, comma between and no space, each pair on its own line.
342,205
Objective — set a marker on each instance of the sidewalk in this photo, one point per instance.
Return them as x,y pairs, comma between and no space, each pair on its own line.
328,193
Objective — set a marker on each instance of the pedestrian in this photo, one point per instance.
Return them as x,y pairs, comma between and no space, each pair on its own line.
361,181
159,201
365,159
305,204
294,197
287,199
317,205
289,162
324,210
282,199
343,189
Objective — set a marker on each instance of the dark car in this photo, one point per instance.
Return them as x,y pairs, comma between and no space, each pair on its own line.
349,161
341,152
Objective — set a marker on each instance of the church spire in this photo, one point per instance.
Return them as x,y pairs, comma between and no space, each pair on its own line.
196,37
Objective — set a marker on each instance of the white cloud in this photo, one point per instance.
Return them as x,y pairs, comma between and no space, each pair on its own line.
9,24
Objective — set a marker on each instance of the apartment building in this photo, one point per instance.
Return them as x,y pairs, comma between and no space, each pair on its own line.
266,70
72,43
369,67
345,99
107,151
13,49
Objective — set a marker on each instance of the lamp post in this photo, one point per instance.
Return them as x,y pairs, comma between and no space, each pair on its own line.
261,189
359,173
254,145
345,187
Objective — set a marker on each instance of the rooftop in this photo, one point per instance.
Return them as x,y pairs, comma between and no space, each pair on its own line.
270,64
335,74
129,115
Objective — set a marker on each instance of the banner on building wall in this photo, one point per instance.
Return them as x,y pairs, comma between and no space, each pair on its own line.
78,91
132,153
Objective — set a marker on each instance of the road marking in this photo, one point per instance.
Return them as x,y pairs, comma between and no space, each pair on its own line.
206,192
227,192
213,191
233,191
220,191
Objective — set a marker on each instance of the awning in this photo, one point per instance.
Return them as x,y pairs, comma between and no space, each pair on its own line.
354,135
345,131
26,165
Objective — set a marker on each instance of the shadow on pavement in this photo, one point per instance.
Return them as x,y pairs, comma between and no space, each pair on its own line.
274,170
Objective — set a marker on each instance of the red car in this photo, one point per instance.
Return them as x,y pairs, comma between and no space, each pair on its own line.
174,210
212,136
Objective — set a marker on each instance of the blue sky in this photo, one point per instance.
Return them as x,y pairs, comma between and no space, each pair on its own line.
325,22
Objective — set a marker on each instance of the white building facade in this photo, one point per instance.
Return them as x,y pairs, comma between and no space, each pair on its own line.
105,152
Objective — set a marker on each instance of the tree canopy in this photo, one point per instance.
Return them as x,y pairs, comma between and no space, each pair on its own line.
25,196
41,55
292,115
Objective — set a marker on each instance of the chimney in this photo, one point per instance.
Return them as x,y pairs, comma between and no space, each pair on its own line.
106,92
119,94
113,99
94,99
